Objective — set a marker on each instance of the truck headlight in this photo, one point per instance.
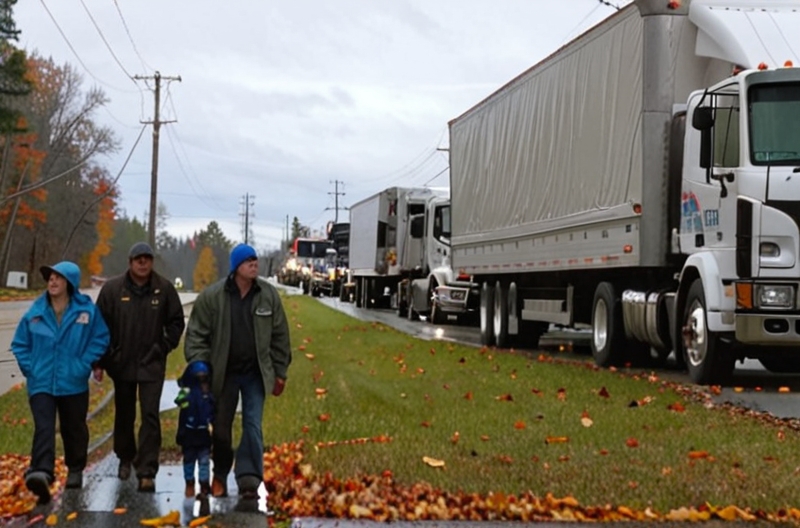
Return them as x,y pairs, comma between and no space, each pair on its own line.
775,296
770,250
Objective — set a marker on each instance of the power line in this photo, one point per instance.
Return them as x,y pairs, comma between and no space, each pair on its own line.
130,37
102,196
186,176
78,57
108,46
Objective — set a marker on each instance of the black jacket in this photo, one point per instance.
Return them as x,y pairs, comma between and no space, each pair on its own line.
146,324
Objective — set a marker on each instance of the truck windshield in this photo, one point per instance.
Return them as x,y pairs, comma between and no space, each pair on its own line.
775,124
311,248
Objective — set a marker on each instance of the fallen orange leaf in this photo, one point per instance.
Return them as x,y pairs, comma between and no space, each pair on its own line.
310,357
676,406
72,516
324,417
632,442
519,424
468,396
199,521
455,437
51,520
504,397
698,454
556,439
433,462
485,438
603,393
120,511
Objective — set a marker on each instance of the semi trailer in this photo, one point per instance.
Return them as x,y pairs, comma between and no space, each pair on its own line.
643,179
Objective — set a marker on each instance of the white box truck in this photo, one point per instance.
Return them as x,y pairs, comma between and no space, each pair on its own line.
643,179
399,241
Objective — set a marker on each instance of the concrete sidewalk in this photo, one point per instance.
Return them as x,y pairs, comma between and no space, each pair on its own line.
103,492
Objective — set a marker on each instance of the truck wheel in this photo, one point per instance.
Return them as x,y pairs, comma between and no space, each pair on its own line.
412,314
437,317
359,292
608,333
500,320
705,354
487,315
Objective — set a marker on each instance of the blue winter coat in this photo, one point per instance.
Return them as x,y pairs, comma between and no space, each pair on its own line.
57,359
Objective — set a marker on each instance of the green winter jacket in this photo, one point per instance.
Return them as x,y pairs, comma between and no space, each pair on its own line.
208,334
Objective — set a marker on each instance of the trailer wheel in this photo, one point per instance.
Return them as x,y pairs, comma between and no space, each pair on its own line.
608,334
705,354
500,319
487,315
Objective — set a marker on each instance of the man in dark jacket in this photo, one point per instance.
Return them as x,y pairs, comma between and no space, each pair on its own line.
239,327
145,317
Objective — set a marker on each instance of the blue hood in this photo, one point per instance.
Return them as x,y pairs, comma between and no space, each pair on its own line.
68,270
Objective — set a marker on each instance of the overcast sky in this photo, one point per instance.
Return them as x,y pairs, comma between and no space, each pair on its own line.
281,99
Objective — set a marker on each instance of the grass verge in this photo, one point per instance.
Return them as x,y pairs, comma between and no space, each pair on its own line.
500,422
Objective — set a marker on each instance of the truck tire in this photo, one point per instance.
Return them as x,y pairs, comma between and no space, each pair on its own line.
437,317
707,358
608,332
500,319
486,315
411,313
359,292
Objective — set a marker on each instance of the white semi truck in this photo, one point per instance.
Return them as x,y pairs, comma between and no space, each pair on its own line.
643,179
399,250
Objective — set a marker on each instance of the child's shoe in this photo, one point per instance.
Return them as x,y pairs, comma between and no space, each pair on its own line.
189,493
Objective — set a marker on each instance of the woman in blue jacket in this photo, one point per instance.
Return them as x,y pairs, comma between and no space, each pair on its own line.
55,344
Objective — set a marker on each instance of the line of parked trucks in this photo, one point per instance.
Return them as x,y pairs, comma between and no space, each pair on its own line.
644,179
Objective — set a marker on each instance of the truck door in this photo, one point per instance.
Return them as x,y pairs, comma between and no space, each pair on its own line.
710,174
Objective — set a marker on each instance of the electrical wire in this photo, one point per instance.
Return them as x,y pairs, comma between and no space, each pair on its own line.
108,46
130,37
186,176
102,196
78,57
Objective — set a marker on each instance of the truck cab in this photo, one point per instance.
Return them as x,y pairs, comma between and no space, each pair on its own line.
437,292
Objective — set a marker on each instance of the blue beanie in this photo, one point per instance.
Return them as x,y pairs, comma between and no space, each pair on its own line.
241,253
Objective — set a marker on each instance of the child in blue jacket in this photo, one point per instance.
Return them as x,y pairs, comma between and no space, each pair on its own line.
194,425
55,344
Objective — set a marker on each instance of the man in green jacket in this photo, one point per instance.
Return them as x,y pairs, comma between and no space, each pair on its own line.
239,327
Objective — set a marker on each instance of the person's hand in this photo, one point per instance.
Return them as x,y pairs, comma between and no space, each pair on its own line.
277,389
97,374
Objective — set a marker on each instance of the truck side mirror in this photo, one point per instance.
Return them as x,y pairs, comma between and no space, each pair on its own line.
418,227
703,118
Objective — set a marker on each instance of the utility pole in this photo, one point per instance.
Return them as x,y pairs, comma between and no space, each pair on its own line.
248,202
156,122
288,243
336,195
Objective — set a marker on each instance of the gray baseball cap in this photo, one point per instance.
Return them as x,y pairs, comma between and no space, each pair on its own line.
139,249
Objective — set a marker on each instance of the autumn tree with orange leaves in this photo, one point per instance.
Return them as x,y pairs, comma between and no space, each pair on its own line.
205,272
62,181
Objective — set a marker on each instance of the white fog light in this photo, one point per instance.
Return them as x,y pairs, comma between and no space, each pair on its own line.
770,249
775,295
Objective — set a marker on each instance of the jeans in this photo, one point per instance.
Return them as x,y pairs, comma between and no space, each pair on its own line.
74,431
250,453
199,455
